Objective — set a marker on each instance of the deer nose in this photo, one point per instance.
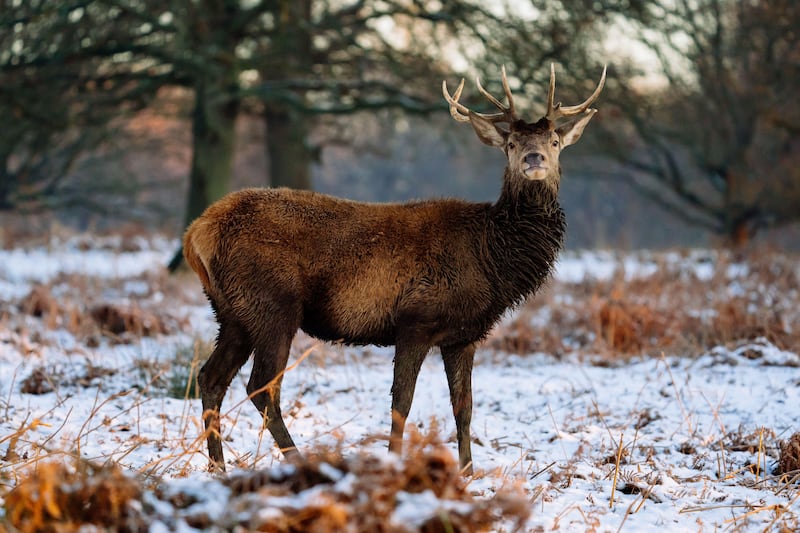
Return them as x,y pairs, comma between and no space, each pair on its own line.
534,159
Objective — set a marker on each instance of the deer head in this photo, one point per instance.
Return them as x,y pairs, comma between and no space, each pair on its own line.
532,148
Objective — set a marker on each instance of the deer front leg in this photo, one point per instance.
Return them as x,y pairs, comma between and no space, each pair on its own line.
458,367
408,359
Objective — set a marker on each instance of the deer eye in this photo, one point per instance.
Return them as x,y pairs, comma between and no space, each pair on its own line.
555,143
510,146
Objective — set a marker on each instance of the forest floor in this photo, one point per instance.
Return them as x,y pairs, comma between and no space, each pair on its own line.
638,391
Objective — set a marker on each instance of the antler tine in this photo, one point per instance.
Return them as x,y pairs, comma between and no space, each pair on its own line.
458,111
462,113
580,108
507,89
507,113
551,93
557,111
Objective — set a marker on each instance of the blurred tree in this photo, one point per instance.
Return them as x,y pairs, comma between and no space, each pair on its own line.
297,60
291,61
55,109
712,132
323,59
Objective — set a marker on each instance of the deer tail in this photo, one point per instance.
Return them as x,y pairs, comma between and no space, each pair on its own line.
199,246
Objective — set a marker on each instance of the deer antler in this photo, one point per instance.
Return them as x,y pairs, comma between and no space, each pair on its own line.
556,111
461,113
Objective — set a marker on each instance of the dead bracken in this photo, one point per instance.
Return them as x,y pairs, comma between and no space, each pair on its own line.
38,382
55,497
724,466
789,462
339,493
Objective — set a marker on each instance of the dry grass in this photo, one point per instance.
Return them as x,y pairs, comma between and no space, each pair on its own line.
338,493
742,460
789,462
78,305
55,497
671,311
374,489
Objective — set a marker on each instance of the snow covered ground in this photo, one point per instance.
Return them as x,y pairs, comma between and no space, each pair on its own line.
654,443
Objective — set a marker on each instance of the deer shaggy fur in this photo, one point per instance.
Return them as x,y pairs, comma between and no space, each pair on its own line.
415,275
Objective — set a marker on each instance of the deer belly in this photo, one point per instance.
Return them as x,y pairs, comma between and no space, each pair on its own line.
353,314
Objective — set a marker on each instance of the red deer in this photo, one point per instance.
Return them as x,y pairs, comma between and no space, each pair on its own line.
416,275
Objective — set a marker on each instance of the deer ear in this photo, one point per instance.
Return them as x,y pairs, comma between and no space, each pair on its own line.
487,132
571,132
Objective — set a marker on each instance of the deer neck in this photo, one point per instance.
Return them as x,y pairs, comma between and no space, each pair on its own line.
525,234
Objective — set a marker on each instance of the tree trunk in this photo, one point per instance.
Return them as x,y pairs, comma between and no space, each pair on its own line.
5,192
738,217
213,141
739,234
290,157
287,147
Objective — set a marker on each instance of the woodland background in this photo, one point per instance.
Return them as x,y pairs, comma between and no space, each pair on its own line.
651,384
142,112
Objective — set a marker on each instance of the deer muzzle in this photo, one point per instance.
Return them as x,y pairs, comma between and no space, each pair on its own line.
534,166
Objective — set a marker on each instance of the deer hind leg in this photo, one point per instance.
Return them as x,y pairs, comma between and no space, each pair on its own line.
264,387
458,367
408,358
232,350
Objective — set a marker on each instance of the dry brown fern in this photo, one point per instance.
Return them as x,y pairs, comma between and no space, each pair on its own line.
789,461
57,498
